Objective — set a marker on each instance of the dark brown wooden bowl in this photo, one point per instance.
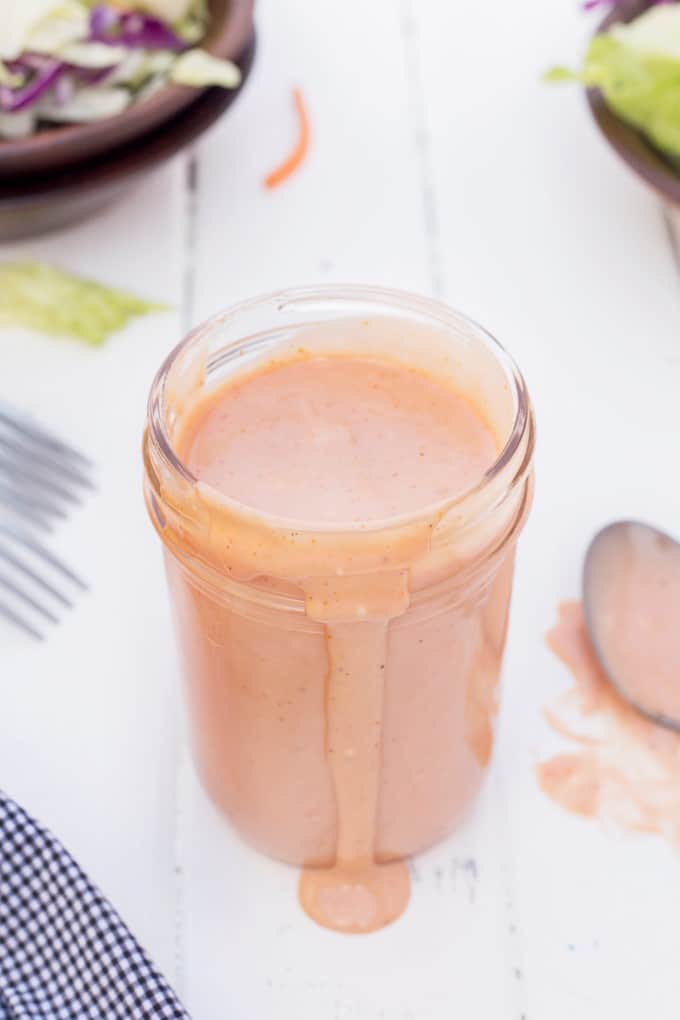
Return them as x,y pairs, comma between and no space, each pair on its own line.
38,204
231,26
652,166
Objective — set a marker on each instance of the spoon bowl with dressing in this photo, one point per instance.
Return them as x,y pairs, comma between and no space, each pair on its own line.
631,601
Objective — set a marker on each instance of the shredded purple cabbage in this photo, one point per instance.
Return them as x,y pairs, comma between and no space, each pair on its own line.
14,100
29,62
64,88
132,29
41,73
149,33
103,20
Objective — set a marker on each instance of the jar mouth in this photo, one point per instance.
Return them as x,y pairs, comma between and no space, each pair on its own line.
347,298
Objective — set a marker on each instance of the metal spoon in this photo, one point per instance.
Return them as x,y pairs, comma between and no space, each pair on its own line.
631,602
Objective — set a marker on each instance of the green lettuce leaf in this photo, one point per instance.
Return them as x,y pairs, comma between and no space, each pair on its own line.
49,300
637,68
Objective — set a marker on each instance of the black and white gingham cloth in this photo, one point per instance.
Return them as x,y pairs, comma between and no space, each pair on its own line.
64,952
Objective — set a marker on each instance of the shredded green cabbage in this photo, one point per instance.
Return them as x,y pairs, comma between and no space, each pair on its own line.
17,125
198,68
67,22
94,55
169,10
88,104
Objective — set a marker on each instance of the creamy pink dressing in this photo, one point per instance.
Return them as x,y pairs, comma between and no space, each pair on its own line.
339,439
634,598
336,440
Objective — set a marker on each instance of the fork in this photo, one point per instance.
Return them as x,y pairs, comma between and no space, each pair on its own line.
41,480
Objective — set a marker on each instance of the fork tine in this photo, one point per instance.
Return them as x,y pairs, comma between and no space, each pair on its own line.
19,621
27,499
23,568
10,586
57,466
36,480
11,501
39,476
36,547
35,447
22,424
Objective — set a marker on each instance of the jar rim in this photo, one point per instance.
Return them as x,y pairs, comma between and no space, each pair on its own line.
436,312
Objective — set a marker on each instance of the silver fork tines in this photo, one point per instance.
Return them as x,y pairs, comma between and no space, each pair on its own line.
40,476
31,432
29,453
34,583
41,480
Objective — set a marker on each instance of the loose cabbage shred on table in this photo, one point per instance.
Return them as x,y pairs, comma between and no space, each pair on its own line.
71,61
49,300
637,68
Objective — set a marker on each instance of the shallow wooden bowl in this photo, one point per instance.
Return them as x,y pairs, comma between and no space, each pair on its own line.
43,202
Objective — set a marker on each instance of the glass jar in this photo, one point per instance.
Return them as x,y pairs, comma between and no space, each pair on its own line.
262,605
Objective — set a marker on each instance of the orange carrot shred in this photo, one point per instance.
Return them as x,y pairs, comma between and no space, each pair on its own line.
297,156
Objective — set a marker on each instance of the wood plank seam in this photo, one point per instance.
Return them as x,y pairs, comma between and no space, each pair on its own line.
514,940
179,874
416,89
191,200
189,256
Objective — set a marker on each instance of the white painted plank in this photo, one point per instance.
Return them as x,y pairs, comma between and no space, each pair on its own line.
357,210
549,240
353,212
87,733
248,950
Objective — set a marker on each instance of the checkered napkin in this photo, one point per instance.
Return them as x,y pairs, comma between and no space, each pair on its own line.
64,952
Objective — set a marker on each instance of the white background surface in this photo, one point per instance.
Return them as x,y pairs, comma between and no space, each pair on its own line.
441,164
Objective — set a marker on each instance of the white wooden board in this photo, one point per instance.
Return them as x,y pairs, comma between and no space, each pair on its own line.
440,163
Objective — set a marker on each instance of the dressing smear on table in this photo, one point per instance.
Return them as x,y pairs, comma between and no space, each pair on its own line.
621,768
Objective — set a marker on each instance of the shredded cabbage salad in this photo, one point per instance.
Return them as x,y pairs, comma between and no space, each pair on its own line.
73,61
637,67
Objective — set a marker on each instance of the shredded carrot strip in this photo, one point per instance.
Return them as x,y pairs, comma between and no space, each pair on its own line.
292,162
